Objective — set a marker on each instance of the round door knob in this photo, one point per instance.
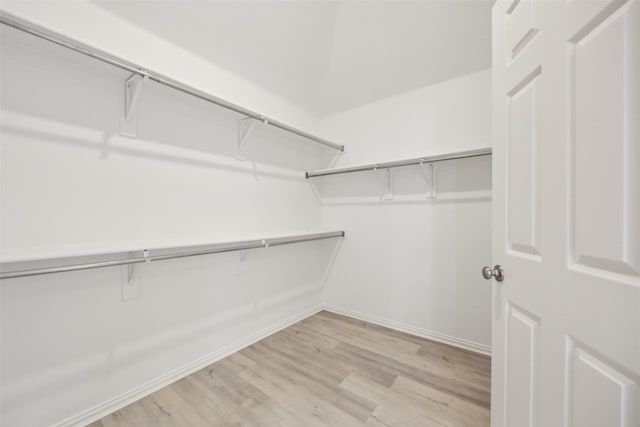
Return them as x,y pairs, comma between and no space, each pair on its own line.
497,272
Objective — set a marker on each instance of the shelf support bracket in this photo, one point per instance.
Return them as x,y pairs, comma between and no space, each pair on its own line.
242,262
245,127
129,286
430,179
132,91
131,269
389,194
388,184
129,118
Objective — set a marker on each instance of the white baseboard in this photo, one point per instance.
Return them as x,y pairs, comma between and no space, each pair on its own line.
118,402
402,327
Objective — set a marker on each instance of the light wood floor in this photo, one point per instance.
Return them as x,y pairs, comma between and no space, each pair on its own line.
327,370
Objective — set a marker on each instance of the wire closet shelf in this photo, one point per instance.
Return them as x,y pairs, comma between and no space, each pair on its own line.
123,64
173,253
399,163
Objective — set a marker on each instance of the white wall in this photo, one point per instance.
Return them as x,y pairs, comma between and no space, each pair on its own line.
69,180
413,263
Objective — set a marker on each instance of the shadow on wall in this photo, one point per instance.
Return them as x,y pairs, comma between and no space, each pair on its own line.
62,153
94,338
455,181
49,85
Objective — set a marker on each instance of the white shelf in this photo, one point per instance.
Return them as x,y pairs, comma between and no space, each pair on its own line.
75,251
160,253
138,70
399,163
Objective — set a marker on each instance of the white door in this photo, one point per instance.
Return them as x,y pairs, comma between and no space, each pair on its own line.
566,162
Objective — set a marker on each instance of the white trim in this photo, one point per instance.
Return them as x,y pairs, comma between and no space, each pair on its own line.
413,330
137,393
93,414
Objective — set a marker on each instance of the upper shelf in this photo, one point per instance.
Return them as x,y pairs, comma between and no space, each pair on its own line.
158,78
398,163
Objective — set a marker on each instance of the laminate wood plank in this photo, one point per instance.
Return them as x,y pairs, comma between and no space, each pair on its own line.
312,409
361,336
236,362
457,412
462,358
390,415
223,386
205,403
392,408
129,415
432,348
168,408
438,379
461,361
305,336
311,366
342,355
327,370
317,379
225,383
373,327
396,348
237,402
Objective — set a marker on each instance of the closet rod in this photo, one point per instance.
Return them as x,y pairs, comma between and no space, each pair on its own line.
159,78
229,247
398,163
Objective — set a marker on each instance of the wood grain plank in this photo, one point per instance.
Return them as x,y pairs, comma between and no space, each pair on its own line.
456,411
317,379
392,408
327,370
438,379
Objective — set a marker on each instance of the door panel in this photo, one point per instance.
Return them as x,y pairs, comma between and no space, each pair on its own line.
614,402
521,338
606,216
521,26
522,194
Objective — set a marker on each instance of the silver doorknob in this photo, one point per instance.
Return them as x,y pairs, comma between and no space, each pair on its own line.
496,272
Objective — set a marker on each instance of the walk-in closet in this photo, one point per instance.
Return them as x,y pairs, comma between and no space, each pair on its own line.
319,213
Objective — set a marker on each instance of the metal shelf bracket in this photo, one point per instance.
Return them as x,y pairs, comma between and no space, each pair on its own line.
131,268
129,285
429,176
242,262
245,127
387,195
132,91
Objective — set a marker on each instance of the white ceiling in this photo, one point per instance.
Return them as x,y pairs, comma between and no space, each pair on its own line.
326,56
